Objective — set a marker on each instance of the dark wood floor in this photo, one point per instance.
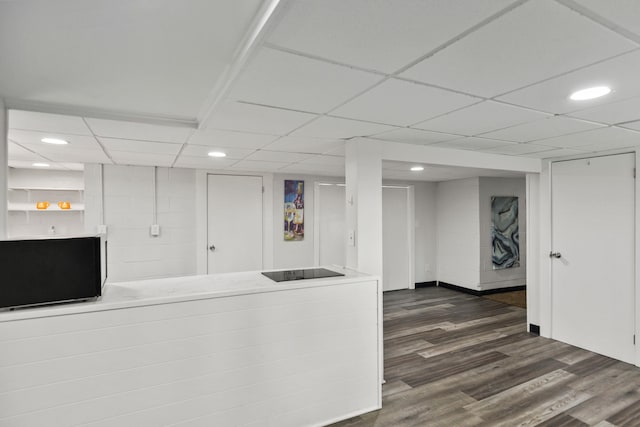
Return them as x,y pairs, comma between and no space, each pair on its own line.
455,360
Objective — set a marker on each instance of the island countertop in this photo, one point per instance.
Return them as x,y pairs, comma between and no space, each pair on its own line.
139,293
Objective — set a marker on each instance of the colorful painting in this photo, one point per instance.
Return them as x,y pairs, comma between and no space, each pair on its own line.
293,210
505,240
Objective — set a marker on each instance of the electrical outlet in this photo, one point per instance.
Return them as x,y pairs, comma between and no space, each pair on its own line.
155,230
102,229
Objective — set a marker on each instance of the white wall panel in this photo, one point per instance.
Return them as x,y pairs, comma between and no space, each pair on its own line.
458,232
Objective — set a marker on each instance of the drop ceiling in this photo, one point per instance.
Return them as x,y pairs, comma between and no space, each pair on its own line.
282,90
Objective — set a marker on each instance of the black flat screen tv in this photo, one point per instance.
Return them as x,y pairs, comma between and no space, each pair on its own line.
47,271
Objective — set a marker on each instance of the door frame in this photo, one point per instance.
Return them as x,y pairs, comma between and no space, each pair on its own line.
410,224
201,217
546,239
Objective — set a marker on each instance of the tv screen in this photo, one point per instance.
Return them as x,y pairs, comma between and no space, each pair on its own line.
44,271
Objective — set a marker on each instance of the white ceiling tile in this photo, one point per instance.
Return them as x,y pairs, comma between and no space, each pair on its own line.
560,152
253,118
276,156
615,112
324,161
206,162
256,166
304,145
73,166
633,125
377,35
151,57
138,131
142,159
537,40
480,118
414,136
291,81
204,150
335,127
517,149
624,13
340,151
223,138
35,137
473,143
55,123
26,164
130,145
16,152
83,154
596,140
542,129
620,74
402,103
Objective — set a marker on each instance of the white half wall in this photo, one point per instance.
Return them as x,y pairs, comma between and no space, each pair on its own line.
504,278
458,232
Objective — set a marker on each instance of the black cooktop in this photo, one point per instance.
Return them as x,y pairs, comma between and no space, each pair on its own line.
310,273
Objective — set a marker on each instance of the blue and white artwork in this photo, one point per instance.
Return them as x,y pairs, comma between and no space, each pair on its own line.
505,240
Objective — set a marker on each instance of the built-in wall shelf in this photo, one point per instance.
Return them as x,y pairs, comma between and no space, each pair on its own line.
28,187
31,207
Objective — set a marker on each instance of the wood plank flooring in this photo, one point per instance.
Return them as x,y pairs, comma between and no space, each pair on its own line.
456,360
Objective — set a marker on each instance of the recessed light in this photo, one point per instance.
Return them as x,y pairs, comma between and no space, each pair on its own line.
41,165
217,154
590,93
55,141
417,169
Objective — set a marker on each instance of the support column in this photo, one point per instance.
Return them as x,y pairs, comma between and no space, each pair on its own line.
4,168
363,174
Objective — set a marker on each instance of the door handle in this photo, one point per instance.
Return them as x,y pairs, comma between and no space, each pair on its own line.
212,248
555,254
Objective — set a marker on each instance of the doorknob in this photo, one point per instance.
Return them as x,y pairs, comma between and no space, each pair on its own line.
555,255
212,248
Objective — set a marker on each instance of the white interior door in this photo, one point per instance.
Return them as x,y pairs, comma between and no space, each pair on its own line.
396,252
331,220
593,256
234,223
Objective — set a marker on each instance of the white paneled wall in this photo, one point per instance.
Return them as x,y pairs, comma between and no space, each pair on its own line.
288,358
490,278
128,212
458,232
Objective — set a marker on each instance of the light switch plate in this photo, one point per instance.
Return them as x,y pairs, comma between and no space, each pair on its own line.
155,230
102,229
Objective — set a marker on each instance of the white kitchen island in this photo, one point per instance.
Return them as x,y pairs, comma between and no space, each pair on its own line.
233,349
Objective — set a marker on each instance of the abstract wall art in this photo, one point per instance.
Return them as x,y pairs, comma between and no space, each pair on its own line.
505,240
293,210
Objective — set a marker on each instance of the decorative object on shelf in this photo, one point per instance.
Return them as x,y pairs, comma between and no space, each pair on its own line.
42,205
505,238
293,210
64,205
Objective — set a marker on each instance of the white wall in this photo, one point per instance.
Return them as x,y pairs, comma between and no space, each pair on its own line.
458,232
133,253
490,278
28,186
